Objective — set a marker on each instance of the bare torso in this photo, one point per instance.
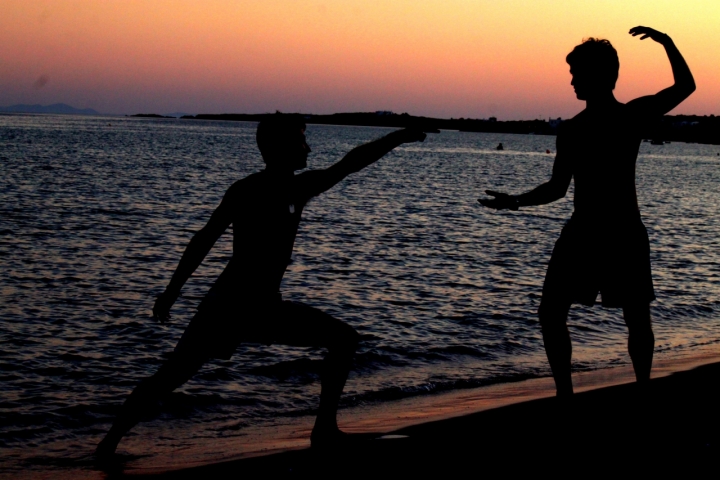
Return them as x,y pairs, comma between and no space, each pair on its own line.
600,151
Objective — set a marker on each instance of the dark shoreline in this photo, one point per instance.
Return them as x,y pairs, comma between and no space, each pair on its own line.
674,423
675,128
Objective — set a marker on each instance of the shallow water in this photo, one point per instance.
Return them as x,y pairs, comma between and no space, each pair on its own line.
95,213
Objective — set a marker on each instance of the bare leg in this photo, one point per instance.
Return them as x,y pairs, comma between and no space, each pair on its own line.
336,367
170,376
302,325
553,320
641,340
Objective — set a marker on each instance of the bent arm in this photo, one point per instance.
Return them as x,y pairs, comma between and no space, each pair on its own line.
669,98
197,249
319,181
548,192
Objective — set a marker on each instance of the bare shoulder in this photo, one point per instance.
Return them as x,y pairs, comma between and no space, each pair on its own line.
568,127
243,187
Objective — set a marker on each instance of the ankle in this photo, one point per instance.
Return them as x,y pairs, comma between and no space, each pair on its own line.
325,425
107,445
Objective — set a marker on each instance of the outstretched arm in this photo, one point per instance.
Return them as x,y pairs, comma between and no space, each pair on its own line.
548,192
665,100
316,182
195,252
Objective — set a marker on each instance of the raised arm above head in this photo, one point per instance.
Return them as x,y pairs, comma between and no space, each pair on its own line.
669,98
317,181
197,249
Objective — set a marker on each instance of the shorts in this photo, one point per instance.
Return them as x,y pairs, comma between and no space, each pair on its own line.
611,258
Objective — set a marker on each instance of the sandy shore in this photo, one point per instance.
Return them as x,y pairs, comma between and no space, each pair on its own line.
674,423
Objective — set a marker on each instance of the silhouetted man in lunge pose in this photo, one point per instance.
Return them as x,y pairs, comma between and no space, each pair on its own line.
604,247
244,304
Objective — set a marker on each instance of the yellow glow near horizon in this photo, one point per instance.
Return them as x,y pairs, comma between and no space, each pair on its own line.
428,57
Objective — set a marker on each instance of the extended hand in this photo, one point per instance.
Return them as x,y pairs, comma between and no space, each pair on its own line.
501,201
409,135
161,309
648,32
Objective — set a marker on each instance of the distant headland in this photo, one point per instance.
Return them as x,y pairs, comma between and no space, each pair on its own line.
60,108
676,128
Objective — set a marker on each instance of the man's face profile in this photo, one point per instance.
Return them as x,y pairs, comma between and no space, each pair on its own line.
284,148
587,83
297,150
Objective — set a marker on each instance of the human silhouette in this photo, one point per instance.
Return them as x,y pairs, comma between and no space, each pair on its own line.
244,304
604,246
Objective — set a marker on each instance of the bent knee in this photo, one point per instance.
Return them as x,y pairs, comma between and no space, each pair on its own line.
346,339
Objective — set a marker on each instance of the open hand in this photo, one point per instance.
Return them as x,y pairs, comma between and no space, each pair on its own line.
502,201
648,32
161,309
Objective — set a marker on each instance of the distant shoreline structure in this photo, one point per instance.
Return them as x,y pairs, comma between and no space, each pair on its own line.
676,128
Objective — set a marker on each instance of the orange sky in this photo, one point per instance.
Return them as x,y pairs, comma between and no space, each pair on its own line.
444,58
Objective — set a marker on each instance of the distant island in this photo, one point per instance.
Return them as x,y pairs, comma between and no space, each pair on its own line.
61,108
150,115
676,128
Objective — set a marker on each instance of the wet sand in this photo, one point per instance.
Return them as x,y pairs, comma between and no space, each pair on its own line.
610,425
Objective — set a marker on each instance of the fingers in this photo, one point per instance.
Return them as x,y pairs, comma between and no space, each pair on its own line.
639,30
489,203
494,203
418,134
647,32
161,309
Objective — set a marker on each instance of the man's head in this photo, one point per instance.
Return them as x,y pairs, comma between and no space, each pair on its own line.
281,140
594,66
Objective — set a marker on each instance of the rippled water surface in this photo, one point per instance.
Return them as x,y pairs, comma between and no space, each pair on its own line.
95,213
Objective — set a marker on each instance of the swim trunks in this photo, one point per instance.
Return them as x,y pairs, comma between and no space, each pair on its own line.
610,257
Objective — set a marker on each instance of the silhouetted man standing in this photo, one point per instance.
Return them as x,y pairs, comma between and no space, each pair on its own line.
604,247
244,304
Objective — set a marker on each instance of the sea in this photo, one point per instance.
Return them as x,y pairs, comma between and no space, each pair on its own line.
95,213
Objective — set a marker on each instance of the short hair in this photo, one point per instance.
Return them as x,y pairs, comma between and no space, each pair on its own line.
274,132
597,55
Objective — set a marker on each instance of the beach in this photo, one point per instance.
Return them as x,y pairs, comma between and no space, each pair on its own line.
673,423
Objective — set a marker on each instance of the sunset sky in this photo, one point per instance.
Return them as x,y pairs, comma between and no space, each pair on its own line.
442,58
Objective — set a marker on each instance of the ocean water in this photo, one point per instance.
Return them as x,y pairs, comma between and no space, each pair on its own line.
95,213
